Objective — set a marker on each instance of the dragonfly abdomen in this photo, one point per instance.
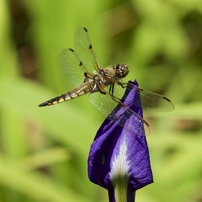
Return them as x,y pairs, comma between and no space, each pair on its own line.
76,92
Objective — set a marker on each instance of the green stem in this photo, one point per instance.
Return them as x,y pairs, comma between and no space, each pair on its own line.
120,189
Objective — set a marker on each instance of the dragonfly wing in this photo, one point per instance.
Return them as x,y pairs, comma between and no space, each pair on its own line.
119,113
84,49
103,103
123,114
73,68
151,100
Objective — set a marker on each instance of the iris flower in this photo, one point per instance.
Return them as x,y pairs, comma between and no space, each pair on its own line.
119,158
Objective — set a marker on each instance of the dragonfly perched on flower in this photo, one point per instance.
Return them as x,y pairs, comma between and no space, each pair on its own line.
105,85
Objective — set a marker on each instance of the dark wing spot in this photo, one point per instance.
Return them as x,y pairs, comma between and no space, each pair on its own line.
166,99
90,47
71,49
80,63
85,29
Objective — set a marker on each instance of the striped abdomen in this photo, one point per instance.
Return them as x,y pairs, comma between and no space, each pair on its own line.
76,92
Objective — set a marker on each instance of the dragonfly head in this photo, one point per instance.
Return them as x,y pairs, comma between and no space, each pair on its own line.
121,70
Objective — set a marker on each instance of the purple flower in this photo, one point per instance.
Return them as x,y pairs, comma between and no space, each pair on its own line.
119,158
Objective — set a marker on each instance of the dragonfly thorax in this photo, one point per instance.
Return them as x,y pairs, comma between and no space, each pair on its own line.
112,73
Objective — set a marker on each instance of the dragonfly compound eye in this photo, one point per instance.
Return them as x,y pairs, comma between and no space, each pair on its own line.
121,70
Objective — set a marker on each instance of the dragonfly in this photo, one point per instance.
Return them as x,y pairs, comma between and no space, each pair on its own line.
105,86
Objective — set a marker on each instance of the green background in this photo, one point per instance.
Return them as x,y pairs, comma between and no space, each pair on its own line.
43,151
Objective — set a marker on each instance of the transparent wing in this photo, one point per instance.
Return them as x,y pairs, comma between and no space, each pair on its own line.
109,107
136,125
151,100
117,112
72,66
84,49
103,103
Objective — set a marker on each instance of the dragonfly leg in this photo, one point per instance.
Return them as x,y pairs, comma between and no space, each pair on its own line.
101,89
111,89
123,85
111,93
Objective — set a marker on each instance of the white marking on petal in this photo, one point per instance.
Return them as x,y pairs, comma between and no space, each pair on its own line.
119,164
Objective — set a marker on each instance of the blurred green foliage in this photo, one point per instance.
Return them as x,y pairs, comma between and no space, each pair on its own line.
43,151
